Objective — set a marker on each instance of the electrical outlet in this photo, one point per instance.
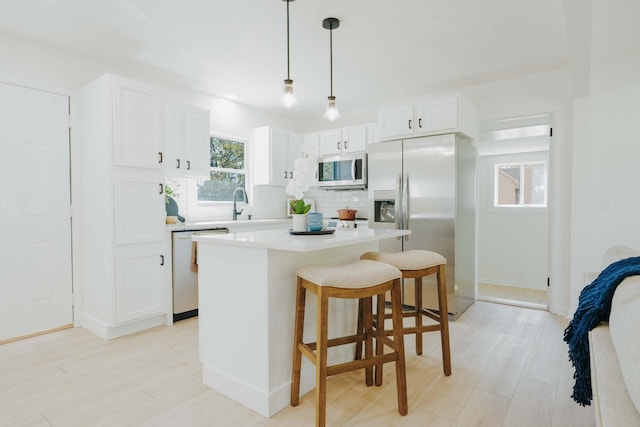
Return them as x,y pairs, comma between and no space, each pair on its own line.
601,203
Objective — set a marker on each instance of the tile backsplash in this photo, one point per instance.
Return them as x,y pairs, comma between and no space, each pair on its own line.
271,202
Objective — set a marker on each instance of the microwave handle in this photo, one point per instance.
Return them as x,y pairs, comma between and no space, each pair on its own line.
353,169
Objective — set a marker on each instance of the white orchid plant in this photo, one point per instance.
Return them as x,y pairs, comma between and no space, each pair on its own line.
304,170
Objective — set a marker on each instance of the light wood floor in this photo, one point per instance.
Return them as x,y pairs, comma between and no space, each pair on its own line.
510,368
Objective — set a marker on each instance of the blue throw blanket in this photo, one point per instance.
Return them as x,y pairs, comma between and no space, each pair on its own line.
594,306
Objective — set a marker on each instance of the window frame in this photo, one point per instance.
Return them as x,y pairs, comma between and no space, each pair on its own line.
245,171
521,207
206,210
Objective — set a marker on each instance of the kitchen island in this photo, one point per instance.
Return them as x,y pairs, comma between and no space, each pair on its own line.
246,286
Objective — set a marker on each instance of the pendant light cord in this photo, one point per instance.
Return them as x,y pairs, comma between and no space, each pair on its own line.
288,66
331,59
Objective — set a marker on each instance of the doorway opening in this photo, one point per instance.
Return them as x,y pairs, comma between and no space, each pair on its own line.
513,170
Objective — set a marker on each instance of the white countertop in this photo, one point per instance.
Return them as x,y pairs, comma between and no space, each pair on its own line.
282,240
203,225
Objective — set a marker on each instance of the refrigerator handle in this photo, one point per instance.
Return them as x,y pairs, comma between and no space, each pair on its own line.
397,202
407,207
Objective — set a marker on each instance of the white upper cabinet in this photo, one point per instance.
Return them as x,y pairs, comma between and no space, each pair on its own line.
446,114
186,141
274,153
137,124
311,144
343,140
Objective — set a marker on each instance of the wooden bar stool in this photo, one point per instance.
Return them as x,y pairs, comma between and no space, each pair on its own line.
416,264
362,280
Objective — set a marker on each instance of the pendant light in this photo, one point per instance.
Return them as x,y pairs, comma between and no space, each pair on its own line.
288,97
331,113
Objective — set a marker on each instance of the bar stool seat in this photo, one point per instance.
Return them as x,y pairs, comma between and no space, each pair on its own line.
416,264
360,280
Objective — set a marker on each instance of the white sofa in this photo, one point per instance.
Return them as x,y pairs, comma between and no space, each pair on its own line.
615,353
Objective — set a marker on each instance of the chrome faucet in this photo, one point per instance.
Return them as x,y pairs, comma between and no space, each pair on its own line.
246,200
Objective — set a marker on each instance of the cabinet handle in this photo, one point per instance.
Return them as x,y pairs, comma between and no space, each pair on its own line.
345,145
177,163
420,122
188,165
161,259
161,188
159,156
285,174
409,123
338,145
290,174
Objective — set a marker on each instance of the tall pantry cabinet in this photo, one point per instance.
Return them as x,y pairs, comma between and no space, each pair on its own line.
123,215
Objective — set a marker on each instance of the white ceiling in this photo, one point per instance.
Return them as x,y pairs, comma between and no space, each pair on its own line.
384,50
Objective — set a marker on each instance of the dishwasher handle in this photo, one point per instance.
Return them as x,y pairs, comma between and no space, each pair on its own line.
187,235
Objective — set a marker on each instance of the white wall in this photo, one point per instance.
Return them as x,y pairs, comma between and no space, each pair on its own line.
606,196
513,244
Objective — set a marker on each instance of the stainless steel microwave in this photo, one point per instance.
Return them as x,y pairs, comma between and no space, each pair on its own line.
343,171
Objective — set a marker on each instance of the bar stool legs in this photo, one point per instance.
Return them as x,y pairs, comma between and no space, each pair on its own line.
416,264
317,352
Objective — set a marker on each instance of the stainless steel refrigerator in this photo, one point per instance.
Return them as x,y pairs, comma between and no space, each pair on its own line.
428,185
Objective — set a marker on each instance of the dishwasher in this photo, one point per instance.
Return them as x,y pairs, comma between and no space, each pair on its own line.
185,272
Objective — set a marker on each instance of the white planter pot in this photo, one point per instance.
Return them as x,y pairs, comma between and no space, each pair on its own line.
299,222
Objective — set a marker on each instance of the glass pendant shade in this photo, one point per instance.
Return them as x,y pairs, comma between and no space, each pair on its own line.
288,97
331,113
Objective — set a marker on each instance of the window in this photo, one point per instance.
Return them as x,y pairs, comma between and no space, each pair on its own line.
228,170
521,184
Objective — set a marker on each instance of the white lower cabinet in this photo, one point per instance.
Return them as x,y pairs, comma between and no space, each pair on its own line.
140,289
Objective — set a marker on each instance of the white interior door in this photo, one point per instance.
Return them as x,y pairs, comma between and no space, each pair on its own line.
35,223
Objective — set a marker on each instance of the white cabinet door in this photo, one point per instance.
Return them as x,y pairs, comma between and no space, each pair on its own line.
139,206
295,149
330,142
137,125
437,115
311,144
271,156
354,139
281,171
140,289
186,141
35,212
174,134
197,143
395,121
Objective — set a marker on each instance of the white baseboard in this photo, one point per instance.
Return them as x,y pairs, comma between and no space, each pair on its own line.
108,332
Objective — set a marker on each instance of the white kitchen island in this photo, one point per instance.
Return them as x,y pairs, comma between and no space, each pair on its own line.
246,286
